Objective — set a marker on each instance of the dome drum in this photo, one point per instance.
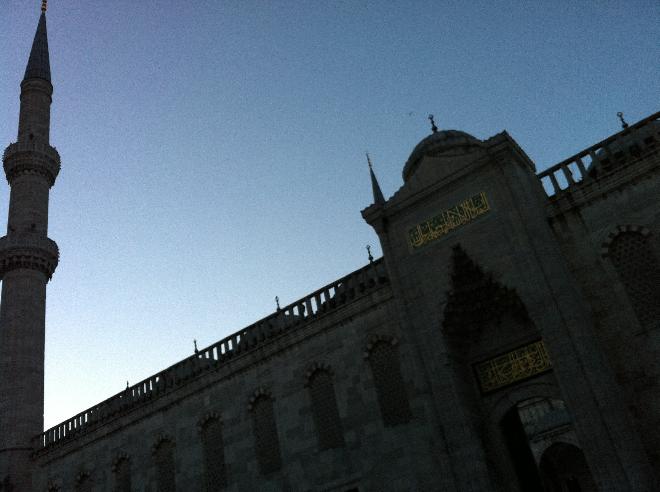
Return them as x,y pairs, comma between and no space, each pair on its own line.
438,143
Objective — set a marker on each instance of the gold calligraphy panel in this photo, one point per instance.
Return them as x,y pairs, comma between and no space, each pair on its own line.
448,220
519,364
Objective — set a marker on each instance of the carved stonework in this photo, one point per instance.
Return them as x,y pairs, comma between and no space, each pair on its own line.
119,458
374,340
33,158
28,251
206,419
605,246
261,392
476,298
160,439
313,368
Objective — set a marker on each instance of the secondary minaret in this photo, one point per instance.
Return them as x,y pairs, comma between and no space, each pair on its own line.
27,261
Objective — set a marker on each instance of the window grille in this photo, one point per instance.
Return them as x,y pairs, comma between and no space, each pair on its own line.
84,483
214,455
639,271
324,410
390,389
164,459
266,442
122,471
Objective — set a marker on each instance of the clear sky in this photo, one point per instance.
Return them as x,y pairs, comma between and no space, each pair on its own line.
213,151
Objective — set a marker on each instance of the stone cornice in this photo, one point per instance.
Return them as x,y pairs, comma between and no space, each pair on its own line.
34,158
28,251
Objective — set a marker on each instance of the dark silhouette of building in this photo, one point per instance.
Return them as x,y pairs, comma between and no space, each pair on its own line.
507,340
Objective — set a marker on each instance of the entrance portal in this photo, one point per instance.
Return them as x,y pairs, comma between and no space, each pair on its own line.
543,447
564,469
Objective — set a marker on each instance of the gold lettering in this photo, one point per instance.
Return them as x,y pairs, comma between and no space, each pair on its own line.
448,220
512,367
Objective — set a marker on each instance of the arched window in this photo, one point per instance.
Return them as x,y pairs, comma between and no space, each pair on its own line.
164,460
324,409
122,472
266,442
390,389
84,482
214,454
639,271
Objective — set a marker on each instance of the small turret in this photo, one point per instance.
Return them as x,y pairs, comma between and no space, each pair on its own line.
379,199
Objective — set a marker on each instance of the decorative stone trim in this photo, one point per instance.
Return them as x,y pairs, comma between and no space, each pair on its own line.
206,418
260,392
28,251
605,246
53,486
82,475
121,456
24,158
160,439
315,367
376,339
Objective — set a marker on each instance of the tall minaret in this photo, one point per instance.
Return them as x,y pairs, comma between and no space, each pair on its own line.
27,261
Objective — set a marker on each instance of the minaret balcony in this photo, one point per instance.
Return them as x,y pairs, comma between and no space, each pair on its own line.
35,158
28,250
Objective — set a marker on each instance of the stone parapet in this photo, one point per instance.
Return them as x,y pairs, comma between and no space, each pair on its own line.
28,251
254,339
34,158
633,143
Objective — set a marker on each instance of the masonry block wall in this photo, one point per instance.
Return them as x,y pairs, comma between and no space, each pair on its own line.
623,201
375,455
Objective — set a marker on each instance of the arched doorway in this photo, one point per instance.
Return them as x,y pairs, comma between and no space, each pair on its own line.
564,469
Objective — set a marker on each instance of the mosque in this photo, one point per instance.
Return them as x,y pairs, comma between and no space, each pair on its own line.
507,340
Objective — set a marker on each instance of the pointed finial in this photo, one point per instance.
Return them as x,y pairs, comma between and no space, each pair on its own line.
434,128
371,258
127,384
375,187
624,125
44,6
277,302
195,344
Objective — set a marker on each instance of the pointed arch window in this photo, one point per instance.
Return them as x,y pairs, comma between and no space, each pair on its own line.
164,461
638,269
215,476
324,408
390,389
84,482
122,474
266,441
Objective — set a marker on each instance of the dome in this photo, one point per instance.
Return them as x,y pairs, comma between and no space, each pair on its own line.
439,142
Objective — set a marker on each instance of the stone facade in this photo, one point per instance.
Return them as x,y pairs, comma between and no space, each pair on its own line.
507,340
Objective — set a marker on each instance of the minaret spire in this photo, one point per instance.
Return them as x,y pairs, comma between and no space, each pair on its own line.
38,66
28,259
378,194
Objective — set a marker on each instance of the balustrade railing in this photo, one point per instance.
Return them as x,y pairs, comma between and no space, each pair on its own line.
296,314
569,172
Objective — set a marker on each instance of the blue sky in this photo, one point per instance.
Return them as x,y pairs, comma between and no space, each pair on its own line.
213,152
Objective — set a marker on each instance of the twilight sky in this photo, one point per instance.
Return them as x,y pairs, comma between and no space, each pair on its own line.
213,151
